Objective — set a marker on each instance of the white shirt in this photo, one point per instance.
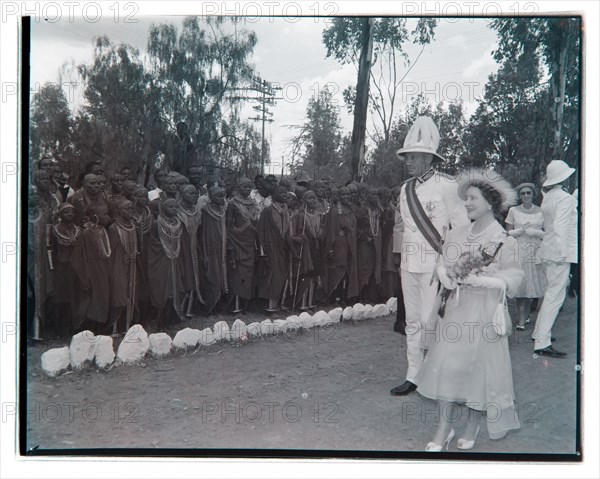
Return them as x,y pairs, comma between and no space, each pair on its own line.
153,194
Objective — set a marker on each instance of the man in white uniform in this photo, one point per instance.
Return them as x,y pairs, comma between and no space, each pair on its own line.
436,208
558,251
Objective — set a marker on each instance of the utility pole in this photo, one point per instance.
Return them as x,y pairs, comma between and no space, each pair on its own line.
362,97
264,115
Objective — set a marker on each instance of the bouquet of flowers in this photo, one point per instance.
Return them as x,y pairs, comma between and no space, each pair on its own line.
472,262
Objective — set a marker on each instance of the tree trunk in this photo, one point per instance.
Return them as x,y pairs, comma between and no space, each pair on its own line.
559,81
362,98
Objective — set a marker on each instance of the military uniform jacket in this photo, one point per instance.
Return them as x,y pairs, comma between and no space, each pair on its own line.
438,195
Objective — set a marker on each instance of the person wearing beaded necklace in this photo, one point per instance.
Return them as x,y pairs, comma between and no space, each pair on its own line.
142,219
473,367
242,215
64,237
306,227
273,230
124,244
89,194
169,191
190,216
213,237
339,246
163,269
368,224
91,262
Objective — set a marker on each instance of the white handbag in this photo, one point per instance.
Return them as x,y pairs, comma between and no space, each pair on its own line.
501,321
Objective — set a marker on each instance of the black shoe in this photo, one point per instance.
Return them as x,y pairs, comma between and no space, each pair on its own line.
405,388
550,351
552,339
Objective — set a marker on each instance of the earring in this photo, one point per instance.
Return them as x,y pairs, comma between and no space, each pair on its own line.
489,207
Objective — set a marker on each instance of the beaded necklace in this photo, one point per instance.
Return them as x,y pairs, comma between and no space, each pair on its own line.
189,212
374,221
170,234
144,220
313,222
217,214
128,236
103,235
66,238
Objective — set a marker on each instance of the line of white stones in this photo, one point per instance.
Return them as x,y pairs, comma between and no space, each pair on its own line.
86,348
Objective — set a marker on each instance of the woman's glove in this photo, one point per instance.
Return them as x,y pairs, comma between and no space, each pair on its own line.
534,232
516,232
442,275
484,282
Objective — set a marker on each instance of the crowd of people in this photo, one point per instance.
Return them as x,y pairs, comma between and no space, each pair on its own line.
452,249
113,253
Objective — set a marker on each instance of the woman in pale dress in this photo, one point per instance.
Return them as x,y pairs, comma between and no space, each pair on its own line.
468,362
525,223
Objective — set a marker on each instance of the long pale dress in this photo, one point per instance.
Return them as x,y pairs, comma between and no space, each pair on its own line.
467,361
534,285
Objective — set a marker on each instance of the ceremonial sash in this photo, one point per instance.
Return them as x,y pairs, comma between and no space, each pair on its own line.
422,221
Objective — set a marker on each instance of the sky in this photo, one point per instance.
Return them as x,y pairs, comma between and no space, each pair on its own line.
290,54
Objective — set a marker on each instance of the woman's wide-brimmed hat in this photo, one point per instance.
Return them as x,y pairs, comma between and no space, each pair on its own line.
477,176
423,137
557,171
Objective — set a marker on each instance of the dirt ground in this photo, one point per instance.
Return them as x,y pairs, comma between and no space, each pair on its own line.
323,389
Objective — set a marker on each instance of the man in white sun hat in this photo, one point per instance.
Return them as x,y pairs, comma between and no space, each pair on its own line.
558,251
429,206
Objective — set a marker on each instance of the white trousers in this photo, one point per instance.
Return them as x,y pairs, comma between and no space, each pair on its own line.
419,298
557,275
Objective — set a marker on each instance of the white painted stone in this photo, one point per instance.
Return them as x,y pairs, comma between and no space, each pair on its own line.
336,315
347,313
392,304
266,327
358,312
253,330
278,326
105,353
238,329
134,346
82,349
307,320
186,338
207,337
221,331
368,314
380,310
321,318
293,323
160,344
55,361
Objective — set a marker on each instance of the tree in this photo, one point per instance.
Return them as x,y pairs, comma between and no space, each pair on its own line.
50,124
120,106
343,42
193,71
316,147
502,131
555,42
386,169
